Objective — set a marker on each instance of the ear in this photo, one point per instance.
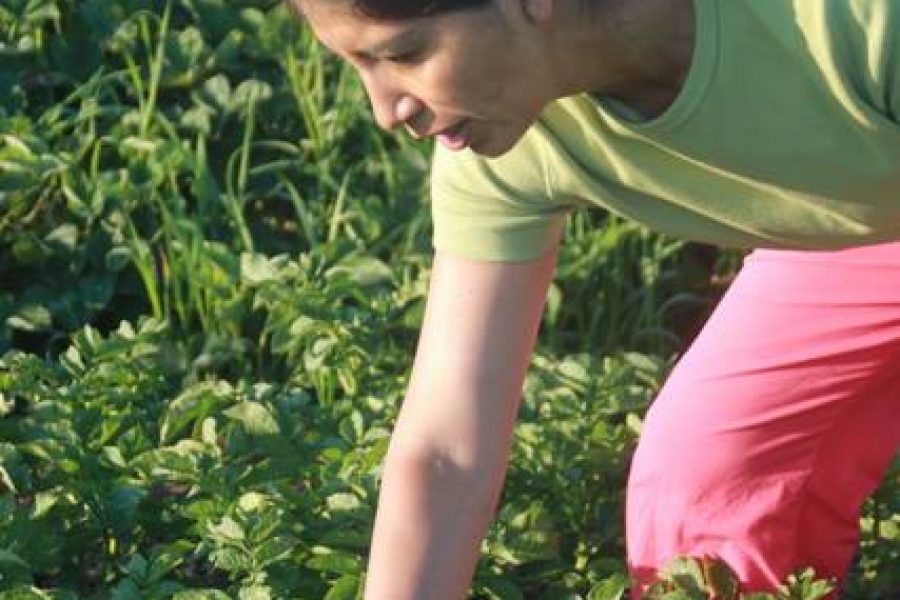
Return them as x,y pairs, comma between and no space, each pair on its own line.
539,12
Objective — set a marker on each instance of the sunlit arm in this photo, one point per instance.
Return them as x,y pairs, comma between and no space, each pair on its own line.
431,518
449,452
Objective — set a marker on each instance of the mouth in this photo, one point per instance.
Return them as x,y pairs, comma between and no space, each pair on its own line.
453,137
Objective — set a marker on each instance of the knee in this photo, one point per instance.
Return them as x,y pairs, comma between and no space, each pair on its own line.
695,489
689,451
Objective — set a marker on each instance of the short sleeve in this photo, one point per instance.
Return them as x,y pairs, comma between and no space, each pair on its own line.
498,209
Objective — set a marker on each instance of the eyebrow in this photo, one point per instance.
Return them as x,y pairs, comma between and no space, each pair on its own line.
399,40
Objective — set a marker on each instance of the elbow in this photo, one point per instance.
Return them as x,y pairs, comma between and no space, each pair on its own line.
471,482
441,464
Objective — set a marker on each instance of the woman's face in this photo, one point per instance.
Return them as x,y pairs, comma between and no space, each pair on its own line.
473,78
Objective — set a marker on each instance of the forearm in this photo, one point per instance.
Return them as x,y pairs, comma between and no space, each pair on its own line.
430,521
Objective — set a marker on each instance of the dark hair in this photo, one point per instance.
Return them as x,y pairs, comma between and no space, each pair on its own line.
410,9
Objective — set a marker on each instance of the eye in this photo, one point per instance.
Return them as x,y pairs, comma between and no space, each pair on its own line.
404,58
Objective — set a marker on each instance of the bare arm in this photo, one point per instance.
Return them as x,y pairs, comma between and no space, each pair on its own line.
448,455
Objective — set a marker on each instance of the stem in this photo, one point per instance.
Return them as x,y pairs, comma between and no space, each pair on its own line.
156,70
337,213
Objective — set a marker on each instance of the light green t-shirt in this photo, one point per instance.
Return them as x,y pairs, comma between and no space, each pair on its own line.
786,133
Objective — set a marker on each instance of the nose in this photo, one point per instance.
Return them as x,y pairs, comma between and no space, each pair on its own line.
392,107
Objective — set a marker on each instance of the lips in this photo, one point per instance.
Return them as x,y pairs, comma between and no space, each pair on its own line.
453,137
452,130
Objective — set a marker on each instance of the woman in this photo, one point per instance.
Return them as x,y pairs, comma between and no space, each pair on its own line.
770,125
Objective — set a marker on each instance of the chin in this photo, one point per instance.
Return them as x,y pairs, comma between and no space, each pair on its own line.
495,146
490,152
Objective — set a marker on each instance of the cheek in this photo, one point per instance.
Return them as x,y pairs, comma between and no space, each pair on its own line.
463,83
488,90
479,91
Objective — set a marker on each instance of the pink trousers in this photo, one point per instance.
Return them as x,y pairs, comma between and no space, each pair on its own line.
779,421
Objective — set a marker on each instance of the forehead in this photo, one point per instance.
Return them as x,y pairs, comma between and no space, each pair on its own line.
343,29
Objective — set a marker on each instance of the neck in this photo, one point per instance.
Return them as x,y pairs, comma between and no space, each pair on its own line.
637,51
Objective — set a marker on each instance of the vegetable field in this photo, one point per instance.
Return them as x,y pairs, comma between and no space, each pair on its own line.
212,273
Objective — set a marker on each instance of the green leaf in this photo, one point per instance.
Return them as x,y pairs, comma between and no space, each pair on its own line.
363,270
179,462
166,559
13,569
13,473
256,418
889,529
207,594
122,503
217,92
349,538
342,502
228,530
192,405
533,545
199,118
574,371
334,561
230,559
117,258
611,588
687,573
553,304
255,592
44,502
805,586
96,291
251,90
345,588
114,456
64,237
644,362
257,269
254,502
721,581
501,588
32,317
352,427
126,590
23,592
